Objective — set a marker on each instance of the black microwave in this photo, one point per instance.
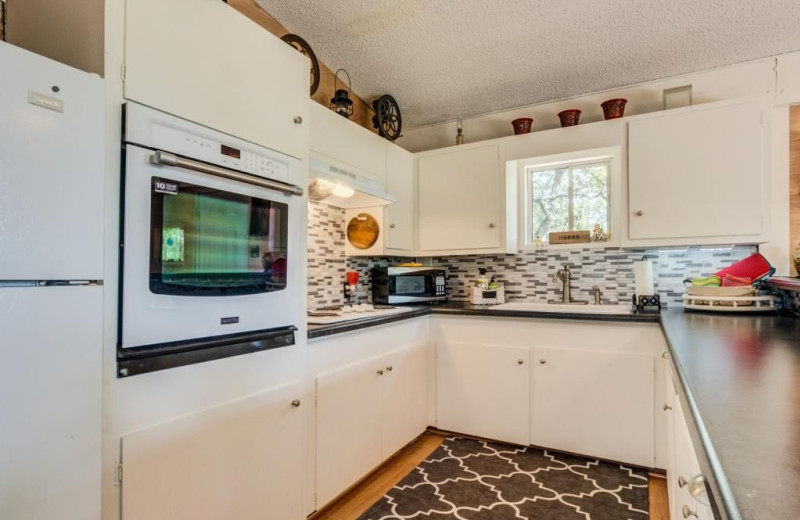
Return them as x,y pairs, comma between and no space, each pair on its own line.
392,285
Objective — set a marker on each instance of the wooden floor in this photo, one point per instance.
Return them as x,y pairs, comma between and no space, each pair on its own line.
353,503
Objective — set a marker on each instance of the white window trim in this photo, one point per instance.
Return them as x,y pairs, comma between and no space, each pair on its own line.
612,155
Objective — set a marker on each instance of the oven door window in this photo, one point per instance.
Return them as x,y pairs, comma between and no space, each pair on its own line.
409,285
207,242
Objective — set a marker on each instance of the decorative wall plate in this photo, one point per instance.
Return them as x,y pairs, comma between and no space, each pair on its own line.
363,231
304,48
387,118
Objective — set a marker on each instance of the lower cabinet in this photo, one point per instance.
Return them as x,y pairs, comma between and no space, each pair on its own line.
600,404
243,460
594,403
484,390
366,412
683,465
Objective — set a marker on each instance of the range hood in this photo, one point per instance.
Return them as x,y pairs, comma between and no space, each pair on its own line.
335,184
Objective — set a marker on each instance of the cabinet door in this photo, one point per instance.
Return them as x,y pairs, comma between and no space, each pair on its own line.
405,397
696,173
788,79
610,395
348,427
686,464
400,185
242,460
206,62
459,199
669,409
484,390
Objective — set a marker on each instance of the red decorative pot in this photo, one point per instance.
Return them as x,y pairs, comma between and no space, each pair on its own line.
614,108
569,117
522,125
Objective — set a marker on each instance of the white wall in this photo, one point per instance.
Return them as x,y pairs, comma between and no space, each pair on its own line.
138,402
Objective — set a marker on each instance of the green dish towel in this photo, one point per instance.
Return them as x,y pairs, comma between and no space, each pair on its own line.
708,281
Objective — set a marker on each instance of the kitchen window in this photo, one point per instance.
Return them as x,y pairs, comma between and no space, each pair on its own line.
569,192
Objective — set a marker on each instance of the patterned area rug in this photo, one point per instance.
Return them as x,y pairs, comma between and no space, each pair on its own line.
473,480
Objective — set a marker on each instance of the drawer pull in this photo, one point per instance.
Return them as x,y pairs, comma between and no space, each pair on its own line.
688,512
668,407
296,403
380,372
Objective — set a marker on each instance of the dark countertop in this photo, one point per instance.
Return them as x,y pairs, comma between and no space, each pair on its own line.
740,388
467,309
319,331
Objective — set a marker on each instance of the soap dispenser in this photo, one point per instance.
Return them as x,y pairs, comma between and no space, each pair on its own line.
482,282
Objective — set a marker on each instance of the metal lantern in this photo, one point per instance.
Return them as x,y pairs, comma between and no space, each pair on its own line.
341,102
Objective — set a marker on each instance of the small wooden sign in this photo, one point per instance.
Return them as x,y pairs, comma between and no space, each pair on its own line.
570,237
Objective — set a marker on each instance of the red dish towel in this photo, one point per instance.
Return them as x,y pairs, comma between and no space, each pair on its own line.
754,267
736,281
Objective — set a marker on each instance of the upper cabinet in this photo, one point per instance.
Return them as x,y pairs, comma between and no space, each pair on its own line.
697,175
400,214
206,62
788,79
337,141
459,201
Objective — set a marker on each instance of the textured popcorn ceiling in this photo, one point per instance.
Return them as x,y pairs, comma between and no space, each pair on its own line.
445,58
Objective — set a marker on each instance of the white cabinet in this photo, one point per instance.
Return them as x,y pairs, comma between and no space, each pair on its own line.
348,431
405,397
400,185
459,204
206,62
697,173
595,403
242,460
788,79
366,412
395,221
484,390
683,464
337,141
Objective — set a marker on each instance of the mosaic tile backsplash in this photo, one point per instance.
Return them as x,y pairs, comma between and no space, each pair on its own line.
526,276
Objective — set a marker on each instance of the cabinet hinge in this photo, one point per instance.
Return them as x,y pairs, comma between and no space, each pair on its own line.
122,72
316,398
118,475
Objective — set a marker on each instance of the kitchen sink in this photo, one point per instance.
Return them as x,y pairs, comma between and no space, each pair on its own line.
563,307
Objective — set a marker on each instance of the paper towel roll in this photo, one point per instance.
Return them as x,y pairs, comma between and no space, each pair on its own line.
643,275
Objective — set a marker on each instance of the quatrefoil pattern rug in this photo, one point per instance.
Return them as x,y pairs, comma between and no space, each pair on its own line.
472,480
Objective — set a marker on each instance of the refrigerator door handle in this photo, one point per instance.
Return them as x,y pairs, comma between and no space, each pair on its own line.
163,158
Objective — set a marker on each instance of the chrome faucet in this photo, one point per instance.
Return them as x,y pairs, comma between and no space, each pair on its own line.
565,275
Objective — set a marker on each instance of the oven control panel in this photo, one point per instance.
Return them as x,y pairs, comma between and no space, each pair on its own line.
227,155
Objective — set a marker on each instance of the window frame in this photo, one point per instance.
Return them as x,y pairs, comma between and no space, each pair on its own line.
609,155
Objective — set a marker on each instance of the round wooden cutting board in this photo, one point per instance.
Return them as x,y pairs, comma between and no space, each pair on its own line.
363,231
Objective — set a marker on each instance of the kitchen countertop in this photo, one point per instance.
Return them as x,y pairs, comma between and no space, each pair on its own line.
740,385
467,309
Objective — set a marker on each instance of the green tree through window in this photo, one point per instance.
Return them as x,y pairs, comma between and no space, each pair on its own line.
567,198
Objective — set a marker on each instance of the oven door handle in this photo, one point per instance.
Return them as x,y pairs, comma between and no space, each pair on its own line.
167,159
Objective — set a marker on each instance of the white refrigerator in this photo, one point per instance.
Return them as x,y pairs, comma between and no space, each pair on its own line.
51,292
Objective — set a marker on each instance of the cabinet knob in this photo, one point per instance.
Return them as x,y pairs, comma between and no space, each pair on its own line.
491,224
389,368
296,403
667,407
392,226
665,355
542,361
298,120
688,512
380,372
681,481
639,213
520,362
